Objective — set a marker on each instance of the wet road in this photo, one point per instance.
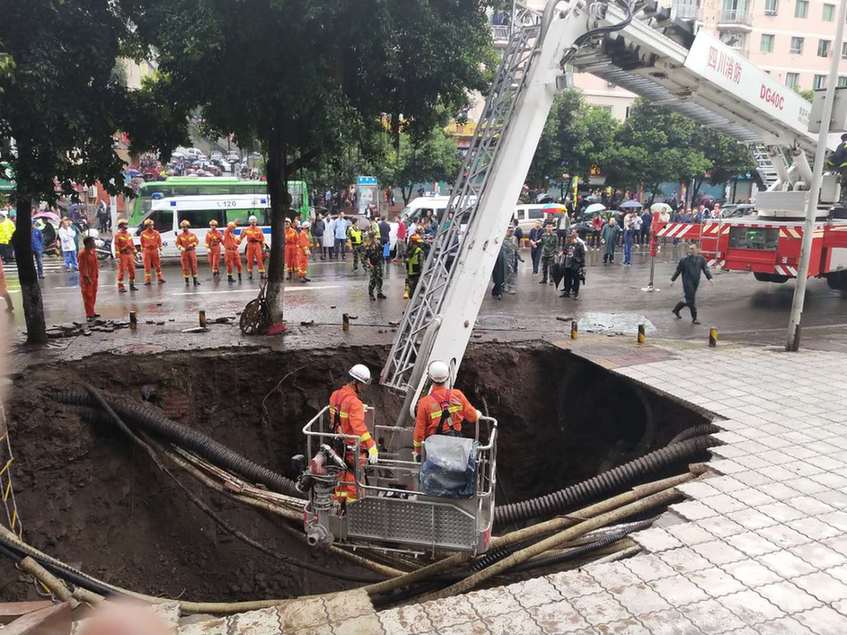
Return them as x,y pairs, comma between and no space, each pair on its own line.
738,305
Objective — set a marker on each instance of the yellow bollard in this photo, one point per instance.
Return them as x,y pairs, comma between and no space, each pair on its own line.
202,315
574,329
642,336
713,337
133,320
345,322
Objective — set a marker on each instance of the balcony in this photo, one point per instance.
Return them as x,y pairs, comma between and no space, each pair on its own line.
735,20
686,10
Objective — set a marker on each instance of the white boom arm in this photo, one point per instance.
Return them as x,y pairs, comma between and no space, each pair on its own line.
709,83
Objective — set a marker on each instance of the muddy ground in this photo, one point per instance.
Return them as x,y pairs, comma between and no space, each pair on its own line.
87,497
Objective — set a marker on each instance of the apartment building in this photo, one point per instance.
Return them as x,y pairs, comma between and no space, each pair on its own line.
790,39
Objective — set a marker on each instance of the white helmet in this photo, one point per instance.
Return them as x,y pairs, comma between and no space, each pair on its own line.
360,373
252,219
439,372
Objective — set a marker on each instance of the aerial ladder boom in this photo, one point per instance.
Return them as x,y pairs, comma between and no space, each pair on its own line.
699,77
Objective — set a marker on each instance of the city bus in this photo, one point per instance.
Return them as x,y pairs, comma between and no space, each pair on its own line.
210,186
167,213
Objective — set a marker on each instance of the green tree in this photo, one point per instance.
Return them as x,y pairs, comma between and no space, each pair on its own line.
654,145
59,110
728,157
435,158
307,79
575,137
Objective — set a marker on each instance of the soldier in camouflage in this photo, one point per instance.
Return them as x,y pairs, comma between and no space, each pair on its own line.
372,261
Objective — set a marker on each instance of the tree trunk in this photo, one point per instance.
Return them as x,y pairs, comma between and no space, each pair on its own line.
278,192
36,329
406,195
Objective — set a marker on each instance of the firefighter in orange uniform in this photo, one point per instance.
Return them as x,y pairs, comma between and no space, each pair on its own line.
151,246
231,255
125,250
304,244
187,243
347,413
255,238
213,243
443,410
89,272
291,249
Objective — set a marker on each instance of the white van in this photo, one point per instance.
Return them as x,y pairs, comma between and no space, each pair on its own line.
167,213
424,206
527,215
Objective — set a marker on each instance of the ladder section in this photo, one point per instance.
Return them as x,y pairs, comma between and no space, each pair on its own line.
7,491
764,165
463,207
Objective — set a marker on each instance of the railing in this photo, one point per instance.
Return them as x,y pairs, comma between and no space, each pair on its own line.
394,478
500,33
736,16
686,10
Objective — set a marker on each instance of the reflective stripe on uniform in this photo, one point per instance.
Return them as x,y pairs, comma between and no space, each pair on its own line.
365,437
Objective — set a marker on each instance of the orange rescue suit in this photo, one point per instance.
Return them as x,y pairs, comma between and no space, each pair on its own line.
304,243
213,243
347,412
231,255
255,238
89,272
291,256
431,410
187,243
126,256
151,243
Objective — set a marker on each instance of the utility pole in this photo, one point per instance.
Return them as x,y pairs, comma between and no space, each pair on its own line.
793,340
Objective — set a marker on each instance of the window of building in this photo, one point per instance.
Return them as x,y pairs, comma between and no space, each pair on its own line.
844,51
801,9
605,107
824,47
771,7
797,45
792,80
766,45
819,82
842,81
828,12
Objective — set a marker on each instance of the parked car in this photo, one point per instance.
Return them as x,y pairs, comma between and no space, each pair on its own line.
737,210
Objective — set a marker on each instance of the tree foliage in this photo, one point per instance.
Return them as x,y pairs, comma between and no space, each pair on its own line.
60,107
434,158
575,136
308,79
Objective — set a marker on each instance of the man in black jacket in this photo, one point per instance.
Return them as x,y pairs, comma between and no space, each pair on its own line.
574,253
690,269
535,235
318,229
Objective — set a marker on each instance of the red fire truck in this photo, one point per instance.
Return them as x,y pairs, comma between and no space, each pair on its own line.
769,248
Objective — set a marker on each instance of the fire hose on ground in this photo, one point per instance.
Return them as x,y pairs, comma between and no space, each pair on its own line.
604,483
152,421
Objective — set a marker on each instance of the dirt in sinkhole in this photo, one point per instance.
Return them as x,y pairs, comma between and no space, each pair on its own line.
88,498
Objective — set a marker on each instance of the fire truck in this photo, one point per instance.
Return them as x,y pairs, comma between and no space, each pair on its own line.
769,248
639,47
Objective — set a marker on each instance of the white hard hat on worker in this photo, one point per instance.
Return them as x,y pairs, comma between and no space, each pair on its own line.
361,374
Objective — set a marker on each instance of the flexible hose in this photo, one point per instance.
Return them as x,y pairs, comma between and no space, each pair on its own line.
696,431
153,421
604,483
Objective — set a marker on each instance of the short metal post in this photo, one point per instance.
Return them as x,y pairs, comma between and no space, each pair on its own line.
642,336
345,322
133,320
574,329
713,337
202,315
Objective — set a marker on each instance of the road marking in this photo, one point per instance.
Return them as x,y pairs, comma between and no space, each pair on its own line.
285,289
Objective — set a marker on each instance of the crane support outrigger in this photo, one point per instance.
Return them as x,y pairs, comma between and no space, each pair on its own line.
639,49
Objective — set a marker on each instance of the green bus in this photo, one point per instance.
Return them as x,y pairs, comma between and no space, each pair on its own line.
210,186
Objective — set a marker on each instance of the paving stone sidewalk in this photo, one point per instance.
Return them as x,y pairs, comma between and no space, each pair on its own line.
760,547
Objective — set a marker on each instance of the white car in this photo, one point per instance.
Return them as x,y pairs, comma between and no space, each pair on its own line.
216,156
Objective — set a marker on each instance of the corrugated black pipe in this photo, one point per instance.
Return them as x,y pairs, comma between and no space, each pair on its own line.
152,421
696,431
604,483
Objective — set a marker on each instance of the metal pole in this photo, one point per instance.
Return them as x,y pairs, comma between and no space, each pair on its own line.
793,340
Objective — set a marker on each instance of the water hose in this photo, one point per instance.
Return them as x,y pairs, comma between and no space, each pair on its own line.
604,483
153,450
695,431
154,422
660,499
